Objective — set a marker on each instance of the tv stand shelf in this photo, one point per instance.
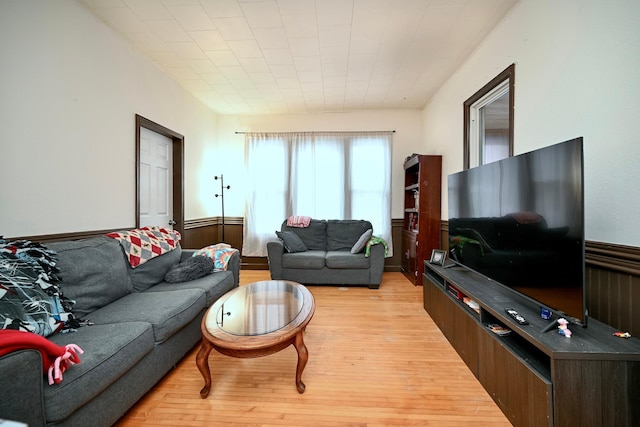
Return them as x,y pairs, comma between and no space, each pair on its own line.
537,378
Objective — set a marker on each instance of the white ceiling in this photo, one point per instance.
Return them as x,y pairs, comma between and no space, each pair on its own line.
293,56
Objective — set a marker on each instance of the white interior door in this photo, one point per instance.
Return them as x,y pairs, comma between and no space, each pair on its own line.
156,183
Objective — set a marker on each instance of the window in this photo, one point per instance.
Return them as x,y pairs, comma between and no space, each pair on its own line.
488,121
324,175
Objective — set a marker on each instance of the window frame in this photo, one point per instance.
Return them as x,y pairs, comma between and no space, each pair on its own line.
507,75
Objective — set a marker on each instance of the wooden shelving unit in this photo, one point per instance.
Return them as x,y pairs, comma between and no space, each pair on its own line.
536,378
422,205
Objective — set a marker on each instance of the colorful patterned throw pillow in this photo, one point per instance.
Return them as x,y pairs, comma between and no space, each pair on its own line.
220,253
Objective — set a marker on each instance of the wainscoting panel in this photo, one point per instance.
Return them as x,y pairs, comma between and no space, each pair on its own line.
613,285
207,231
612,279
612,271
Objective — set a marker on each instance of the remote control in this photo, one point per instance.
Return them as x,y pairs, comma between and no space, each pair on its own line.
520,319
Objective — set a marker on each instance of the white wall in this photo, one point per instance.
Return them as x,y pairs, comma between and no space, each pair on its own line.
69,92
577,65
406,140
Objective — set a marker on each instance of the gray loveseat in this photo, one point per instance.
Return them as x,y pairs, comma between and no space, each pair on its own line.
141,327
326,257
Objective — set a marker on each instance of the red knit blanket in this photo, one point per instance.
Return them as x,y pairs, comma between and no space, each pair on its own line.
56,359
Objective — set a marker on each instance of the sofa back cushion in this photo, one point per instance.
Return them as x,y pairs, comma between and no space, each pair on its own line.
314,236
343,234
153,271
93,272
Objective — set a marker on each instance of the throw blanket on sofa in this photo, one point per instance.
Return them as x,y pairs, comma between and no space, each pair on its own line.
142,244
221,254
56,359
30,298
375,240
298,221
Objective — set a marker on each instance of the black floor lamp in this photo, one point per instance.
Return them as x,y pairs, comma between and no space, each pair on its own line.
222,187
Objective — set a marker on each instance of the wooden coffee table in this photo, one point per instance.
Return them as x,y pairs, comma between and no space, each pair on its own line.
256,320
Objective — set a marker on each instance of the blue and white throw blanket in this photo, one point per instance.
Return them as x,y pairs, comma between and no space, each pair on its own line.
30,299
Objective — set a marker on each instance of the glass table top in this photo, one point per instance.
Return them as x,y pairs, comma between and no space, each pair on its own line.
258,308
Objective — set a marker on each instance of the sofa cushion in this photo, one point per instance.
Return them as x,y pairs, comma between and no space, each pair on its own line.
168,312
153,271
214,285
93,272
343,259
343,234
109,352
291,241
310,259
314,236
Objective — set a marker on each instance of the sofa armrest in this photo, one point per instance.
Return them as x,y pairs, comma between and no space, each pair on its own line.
186,254
275,250
233,265
22,387
376,260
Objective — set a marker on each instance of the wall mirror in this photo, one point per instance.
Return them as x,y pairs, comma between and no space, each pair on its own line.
488,121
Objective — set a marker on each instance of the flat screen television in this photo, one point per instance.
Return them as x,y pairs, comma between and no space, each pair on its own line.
520,222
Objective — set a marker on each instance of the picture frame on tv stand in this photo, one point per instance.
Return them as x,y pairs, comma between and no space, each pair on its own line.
438,257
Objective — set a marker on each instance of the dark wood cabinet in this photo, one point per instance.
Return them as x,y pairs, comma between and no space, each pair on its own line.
422,205
536,378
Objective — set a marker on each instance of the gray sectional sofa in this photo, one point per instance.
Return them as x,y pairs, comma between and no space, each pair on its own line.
325,256
141,326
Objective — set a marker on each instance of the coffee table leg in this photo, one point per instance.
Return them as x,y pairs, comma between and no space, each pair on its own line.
202,361
303,356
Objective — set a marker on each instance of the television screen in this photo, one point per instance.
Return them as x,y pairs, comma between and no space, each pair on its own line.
520,222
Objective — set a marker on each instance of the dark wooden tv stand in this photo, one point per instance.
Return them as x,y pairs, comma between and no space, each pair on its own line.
536,378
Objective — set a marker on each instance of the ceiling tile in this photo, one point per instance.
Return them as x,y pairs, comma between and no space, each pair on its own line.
305,25
222,58
308,46
268,56
147,42
334,12
283,71
271,38
168,30
192,18
254,65
202,66
187,50
278,56
209,40
233,28
307,63
262,14
148,9
334,35
222,8
245,48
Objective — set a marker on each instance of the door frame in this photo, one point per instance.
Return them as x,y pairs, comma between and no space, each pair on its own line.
177,174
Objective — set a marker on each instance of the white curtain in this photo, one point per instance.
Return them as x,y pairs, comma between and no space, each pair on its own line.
324,175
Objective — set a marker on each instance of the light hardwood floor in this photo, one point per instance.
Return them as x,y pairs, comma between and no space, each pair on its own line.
375,358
